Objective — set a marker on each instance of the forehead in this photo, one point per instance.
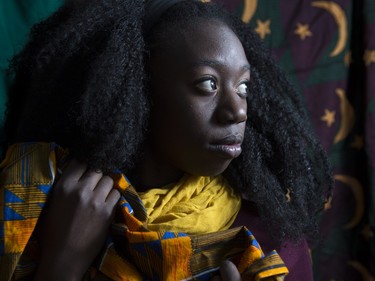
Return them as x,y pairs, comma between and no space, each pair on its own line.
203,40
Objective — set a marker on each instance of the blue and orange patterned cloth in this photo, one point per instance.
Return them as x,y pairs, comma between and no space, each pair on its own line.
133,250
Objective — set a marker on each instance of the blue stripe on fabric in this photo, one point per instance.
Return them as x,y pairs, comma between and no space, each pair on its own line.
140,248
156,247
10,197
255,243
11,215
45,188
169,235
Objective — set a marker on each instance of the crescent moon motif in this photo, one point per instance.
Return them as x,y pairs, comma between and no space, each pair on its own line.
366,276
339,15
249,10
357,190
347,116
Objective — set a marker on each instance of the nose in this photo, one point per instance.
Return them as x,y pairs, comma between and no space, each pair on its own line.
231,108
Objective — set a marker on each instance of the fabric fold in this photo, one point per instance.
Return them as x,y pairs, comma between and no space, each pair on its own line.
133,251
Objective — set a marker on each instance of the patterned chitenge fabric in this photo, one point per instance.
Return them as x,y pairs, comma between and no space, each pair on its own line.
27,175
328,50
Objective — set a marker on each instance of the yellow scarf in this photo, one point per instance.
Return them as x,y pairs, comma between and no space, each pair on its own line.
194,205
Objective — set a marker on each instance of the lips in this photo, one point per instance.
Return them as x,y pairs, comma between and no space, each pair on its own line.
228,147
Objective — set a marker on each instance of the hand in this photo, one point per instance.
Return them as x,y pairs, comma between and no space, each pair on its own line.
74,225
228,272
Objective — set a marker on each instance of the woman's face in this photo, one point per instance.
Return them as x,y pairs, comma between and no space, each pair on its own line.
199,95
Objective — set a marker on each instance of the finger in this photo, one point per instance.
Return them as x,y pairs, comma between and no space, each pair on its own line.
229,272
90,179
103,187
113,197
74,170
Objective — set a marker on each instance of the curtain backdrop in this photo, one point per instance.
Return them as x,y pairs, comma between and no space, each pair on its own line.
16,18
328,50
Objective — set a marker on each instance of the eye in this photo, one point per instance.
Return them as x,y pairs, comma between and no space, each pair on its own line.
243,89
208,85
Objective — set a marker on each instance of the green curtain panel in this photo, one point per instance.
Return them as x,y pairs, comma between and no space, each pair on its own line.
16,18
328,50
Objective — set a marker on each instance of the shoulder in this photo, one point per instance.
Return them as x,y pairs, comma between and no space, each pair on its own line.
297,258
296,255
30,164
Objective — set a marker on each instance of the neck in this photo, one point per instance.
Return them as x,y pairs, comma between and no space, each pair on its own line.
153,172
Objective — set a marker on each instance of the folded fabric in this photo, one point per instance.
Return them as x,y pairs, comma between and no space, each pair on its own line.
179,232
193,205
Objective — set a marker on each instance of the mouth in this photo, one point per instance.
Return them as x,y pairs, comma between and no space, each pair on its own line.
228,147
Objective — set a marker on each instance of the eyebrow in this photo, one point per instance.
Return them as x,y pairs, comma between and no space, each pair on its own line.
215,63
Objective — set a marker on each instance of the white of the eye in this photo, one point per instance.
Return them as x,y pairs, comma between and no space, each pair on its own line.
208,85
242,88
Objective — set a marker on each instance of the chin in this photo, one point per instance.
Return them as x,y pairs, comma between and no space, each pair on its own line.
210,170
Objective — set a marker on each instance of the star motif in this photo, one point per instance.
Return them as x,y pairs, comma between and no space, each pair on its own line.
328,204
348,58
369,57
302,31
263,28
328,117
367,232
358,142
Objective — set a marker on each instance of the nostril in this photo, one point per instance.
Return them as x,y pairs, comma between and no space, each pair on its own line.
231,115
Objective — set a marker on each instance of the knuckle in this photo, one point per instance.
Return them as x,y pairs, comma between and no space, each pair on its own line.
94,173
96,205
81,197
108,180
63,187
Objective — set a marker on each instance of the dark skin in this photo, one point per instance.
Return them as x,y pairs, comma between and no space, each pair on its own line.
79,196
198,123
200,109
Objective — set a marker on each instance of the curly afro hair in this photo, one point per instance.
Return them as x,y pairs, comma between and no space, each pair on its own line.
82,82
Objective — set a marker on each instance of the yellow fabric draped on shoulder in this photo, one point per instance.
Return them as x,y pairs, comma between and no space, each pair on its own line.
194,205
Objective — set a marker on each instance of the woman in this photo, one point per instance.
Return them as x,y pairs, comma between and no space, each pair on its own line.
183,99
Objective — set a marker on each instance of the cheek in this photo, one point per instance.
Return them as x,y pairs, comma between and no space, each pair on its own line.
180,127
181,123
181,113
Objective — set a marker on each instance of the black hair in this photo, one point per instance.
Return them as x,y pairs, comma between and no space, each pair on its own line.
82,81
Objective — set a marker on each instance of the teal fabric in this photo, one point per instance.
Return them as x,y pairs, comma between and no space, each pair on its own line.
16,18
